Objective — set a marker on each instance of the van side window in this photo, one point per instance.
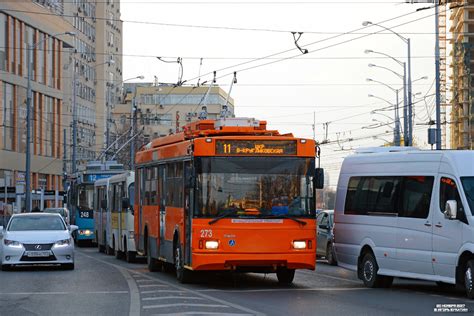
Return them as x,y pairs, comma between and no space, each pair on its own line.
448,190
372,195
416,196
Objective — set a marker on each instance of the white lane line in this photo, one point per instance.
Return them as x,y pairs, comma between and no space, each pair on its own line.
172,298
134,293
201,313
320,289
184,305
211,298
162,291
143,280
329,277
65,293
150,285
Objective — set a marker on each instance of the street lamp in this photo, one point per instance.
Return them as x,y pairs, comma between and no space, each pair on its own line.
396,131
30,48
408,79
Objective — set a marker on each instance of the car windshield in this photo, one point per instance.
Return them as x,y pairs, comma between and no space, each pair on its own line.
23,223
255,187
468,186
55,211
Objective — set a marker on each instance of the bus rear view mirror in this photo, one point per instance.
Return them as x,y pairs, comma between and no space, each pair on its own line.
319,178
103,204
125,203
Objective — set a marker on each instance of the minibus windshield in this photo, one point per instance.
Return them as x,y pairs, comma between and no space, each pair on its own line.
468,186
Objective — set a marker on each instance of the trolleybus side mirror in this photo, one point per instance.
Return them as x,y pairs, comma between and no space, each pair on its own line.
103,204
319,178
125,203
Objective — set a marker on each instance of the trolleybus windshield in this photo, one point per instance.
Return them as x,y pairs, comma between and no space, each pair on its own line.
85,199
255,187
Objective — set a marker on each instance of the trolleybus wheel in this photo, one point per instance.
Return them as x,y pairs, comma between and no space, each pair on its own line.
130,256
285,276
154,265
183,275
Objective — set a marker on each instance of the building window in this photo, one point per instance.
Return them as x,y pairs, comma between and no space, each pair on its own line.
8,116
3,41
40,49
21,119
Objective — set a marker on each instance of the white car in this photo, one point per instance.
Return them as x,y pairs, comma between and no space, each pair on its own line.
37,238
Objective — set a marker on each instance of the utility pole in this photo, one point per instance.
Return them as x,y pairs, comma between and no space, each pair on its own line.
438,90
132,130
64,160
396,135
28,133
405,106
74,120
410,104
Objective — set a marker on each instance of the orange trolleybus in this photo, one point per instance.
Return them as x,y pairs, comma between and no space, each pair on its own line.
227,195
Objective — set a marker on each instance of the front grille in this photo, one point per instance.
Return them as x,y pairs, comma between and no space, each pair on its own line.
33,259
33,247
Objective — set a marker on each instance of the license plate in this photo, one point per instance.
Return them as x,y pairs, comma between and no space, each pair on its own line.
38,253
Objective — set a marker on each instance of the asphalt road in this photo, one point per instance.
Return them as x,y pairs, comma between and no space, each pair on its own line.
103,285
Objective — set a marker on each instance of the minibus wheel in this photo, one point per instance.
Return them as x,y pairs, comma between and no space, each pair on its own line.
370,277
468,279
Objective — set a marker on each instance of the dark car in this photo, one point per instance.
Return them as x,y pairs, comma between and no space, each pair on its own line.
325,242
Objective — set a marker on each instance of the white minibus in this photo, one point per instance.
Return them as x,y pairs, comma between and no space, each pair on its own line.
405,212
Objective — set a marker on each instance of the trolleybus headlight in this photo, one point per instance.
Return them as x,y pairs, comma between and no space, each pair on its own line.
299,244
86,232
212,244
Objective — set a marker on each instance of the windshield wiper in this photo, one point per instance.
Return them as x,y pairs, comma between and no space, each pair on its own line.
227,213
299,221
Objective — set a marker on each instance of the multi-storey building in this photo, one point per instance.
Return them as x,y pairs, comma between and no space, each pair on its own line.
96,69
165,109
38,25
462,110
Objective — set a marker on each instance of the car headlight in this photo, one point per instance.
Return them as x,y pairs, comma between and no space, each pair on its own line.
62,243
299,244
212,244
12,243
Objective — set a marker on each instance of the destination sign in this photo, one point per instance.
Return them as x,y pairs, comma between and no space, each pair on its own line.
255,147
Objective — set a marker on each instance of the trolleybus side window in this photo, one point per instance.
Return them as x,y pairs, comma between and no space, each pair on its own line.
131,196
174,184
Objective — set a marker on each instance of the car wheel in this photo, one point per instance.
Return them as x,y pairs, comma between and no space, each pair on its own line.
153,264
6,267
468,279
183,275
68,266
285,276
370,277
330,255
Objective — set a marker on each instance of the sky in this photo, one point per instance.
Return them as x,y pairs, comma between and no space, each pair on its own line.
289,89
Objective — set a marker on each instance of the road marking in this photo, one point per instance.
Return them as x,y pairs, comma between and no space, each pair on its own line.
201,313
65,293
143,275
134,293
162,291
331,289
171,298
143,280
185,305
150,285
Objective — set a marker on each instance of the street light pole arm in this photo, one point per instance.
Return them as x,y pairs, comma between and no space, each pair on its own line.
392,31
394,72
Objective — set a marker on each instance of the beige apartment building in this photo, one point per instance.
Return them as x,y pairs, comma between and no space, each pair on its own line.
35,23
165,109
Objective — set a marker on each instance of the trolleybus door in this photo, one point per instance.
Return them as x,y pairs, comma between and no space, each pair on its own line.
162,213
188,208
141,201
